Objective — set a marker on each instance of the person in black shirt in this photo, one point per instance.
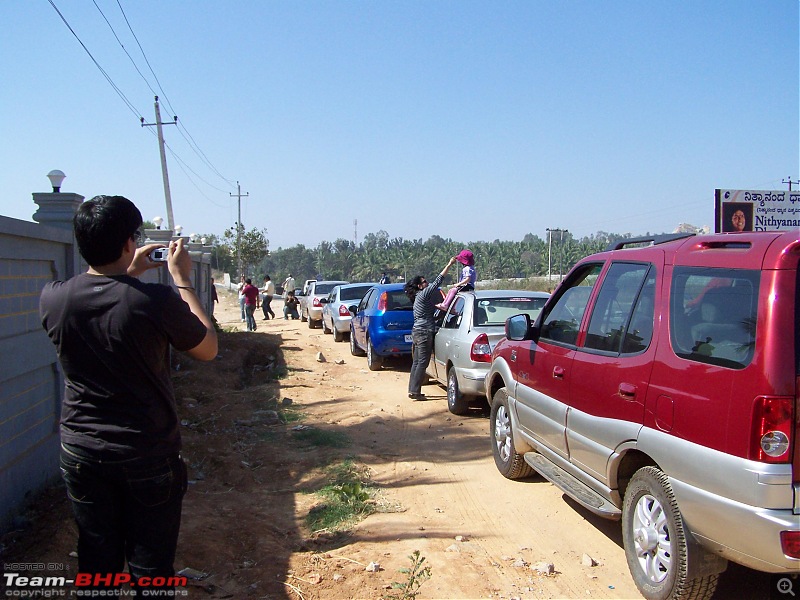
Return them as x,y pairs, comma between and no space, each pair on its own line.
120,437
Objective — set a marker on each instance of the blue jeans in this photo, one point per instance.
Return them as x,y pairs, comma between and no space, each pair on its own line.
249,310
421,351
126,510
241,306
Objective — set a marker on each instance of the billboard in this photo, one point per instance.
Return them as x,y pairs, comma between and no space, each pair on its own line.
756,210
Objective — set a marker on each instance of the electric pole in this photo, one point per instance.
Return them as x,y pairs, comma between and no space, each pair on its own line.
790,182
164,174
239,197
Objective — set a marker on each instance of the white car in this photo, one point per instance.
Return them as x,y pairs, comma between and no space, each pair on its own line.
311,303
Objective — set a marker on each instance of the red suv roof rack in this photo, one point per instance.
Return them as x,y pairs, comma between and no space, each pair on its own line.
648,239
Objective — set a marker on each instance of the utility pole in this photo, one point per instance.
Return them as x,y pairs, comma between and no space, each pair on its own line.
790,182
239,197
549,253
164,174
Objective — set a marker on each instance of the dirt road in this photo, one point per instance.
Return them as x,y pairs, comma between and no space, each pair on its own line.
439,469
251,478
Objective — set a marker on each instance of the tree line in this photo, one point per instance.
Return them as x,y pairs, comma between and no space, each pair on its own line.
402,259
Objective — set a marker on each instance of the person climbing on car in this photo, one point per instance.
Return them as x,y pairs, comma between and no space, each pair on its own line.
468,278
424,296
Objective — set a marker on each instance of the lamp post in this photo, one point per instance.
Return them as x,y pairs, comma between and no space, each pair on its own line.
549,253
56,177
157,221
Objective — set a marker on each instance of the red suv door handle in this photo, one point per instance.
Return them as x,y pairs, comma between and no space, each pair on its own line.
627,391
558,372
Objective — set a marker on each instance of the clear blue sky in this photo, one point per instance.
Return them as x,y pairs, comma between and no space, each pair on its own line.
469,120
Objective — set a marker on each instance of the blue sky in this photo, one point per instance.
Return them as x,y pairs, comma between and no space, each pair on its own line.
469,120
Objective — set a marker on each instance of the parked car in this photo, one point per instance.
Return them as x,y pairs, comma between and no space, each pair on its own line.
659,386
381,324
335,312
462,348
311,301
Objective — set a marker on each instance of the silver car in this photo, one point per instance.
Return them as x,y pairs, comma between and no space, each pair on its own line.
311,302
335,314
462,349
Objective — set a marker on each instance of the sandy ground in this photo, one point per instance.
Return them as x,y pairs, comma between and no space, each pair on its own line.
440,492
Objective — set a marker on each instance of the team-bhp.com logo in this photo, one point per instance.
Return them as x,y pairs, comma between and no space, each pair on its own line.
93,585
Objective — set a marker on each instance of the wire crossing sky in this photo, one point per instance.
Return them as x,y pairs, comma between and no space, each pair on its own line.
464,119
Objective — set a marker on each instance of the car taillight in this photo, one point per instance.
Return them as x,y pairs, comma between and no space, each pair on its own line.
790,543
771,436
480,350
343,312
316,303
383,301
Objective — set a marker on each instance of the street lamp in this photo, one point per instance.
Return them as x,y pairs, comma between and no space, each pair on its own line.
549,253
157,221
56,177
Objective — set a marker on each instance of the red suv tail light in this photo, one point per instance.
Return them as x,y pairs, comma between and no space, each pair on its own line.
790,543
480,350
383,301
770,440
316,303
343,312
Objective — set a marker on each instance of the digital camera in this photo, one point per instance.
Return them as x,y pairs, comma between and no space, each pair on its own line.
160,255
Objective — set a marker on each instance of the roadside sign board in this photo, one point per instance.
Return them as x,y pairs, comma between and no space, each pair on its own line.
756,210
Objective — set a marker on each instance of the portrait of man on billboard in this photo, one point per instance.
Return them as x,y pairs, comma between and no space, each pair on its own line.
737,216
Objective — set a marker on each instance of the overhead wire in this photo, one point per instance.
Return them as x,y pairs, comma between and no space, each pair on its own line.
119,92
181,128
134,110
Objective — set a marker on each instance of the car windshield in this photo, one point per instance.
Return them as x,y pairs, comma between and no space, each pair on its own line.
353,293
495,311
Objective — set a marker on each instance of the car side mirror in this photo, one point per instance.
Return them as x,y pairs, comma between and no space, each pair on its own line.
519,327
323,300
353,308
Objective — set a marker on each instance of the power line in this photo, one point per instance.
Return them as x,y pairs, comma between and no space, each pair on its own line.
106,75
181,127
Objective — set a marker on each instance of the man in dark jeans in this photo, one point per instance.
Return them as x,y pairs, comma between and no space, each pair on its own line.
120,437
425,296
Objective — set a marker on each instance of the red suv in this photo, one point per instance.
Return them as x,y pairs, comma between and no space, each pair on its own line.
659,386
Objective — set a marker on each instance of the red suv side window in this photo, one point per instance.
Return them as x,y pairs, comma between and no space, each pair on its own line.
713,315
564,319
613,309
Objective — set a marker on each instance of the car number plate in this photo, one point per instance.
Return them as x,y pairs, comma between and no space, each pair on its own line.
408,339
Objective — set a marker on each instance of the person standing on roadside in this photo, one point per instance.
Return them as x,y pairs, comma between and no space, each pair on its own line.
214,297
424,295
251,295
240,288
120,435
269,291
288,284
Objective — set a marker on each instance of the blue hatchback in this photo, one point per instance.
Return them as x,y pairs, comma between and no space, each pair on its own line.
381,324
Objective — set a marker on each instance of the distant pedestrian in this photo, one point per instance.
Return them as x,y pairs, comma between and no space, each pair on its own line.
269,291
240,289
384,278
214,297
424,296
288,284
290,304
250,293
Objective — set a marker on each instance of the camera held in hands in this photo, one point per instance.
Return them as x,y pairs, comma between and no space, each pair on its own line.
160,255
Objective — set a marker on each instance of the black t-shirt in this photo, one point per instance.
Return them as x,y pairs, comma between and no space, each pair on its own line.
112,335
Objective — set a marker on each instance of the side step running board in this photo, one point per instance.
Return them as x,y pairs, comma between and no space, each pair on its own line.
572,487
